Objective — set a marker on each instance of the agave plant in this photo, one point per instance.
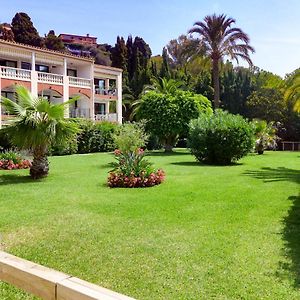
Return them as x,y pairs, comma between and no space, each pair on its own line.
38,124
265,135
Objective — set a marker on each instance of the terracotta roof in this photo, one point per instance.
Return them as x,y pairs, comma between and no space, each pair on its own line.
29,47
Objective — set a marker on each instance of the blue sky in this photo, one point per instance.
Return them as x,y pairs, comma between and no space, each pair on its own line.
273,25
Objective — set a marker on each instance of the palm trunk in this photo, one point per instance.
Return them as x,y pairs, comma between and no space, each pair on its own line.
40,164
216,83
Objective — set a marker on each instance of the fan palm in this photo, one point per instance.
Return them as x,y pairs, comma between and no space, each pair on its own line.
219,39
38,125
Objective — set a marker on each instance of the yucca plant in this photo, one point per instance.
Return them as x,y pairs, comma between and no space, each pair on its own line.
265,134
38,125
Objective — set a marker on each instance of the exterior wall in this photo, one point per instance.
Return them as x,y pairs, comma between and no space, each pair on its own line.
56,82
78,39
11,82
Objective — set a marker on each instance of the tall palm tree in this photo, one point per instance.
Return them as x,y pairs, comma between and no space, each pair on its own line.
219,39
292,92
38,124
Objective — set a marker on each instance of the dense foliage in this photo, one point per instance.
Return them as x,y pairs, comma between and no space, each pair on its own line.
132,169
222,138
92,137
168,115
24,31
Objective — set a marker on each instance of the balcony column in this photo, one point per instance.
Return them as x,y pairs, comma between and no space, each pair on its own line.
34,76
66,95
119,98
92,104
106,84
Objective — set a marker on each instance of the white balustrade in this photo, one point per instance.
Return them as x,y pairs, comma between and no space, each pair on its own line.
15,73
77,81
50,78
106,117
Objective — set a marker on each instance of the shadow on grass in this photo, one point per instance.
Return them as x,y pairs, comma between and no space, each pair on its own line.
275,174
7,179
291,237
162,153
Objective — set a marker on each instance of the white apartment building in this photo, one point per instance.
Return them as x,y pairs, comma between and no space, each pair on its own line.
59,77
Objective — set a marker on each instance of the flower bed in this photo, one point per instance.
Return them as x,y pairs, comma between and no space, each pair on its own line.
133,171
13,161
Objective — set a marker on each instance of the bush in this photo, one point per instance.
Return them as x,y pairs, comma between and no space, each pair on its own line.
95,137
11,160
220,139
168,115
132,169
5,143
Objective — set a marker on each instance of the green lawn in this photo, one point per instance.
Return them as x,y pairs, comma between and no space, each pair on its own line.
207,233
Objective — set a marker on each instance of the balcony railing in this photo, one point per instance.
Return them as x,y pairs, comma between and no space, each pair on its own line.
50,78
21,74
106,117
14,73
80,113
107,92
77,81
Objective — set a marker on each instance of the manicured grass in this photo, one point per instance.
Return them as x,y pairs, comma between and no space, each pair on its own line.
206,233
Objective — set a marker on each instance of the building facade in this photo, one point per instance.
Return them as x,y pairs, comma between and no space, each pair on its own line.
78,39
58,77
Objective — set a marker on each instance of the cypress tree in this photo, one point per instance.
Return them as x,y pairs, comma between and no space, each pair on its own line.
24,31
165,68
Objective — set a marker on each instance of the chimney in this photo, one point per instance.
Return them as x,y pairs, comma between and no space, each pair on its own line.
87,34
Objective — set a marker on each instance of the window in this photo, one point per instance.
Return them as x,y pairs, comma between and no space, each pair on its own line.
100,108
8,63
42,68
72,72
25,65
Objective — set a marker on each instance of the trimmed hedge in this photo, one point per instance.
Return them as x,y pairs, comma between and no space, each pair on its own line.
220,139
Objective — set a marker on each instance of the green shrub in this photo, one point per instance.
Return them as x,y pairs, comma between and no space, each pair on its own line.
67,148
220,139
168,115
5,143
95,137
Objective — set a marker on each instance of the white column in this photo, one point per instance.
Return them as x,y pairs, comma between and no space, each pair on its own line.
119,98
34,76
107,84
92,105
66,95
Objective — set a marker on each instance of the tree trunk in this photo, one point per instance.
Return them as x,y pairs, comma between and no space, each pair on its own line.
40,164
216,83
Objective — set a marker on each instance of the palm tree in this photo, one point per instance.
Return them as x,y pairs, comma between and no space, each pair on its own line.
292,92
219,39
160,85
38,125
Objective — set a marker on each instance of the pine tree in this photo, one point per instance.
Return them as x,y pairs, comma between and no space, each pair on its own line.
24,31
54,42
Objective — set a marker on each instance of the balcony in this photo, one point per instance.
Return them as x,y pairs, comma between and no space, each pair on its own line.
42,77
106,117
50,78
14,73
80,113
81,82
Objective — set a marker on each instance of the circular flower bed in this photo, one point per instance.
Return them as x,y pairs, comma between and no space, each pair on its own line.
121,180
13,161
133,171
